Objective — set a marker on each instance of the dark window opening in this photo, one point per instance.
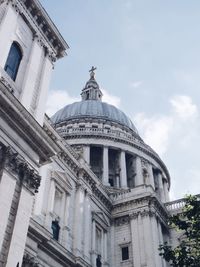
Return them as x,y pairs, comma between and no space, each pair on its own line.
56,229
96,160
125,253
13,61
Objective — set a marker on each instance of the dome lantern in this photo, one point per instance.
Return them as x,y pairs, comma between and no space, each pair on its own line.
91,90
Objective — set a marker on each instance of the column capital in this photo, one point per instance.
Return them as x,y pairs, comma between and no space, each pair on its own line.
17,165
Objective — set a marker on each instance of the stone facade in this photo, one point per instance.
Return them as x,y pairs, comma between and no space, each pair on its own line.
81,189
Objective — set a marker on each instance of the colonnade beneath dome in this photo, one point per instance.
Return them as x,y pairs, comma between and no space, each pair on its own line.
121,169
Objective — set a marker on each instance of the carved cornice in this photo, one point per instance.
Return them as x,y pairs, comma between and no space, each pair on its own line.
143,213
41,23
95,187
69,161
17,165
23,123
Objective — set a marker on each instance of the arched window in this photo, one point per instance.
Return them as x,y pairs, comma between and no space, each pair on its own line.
13,60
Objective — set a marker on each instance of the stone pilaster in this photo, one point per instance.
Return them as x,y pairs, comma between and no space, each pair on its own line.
148,239
87,228
135,240
155,245
78,221
94,243
161,242
105,247
18,168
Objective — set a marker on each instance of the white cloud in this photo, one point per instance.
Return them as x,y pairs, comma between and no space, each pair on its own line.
182,105
111,99
155,130
174,136
136,84
57,99
158,130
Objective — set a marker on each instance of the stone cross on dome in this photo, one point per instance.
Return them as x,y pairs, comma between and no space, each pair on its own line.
92,73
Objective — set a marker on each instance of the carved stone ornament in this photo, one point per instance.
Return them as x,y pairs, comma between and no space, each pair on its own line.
16,164
29,260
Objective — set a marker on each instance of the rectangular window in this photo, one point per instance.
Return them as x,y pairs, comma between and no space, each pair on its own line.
125,253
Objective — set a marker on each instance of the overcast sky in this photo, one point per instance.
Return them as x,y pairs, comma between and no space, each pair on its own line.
147,54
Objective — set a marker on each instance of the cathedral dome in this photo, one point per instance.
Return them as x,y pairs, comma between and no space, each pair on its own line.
108,140
93,109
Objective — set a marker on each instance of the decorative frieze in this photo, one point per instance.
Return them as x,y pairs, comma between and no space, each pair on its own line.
121,220
17,165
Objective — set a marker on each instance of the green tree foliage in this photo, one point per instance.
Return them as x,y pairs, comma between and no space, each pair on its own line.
187,253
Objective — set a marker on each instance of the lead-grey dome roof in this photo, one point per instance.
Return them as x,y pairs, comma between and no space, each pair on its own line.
92,106
93,109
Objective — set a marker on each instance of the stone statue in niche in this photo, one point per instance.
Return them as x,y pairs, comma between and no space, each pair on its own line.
145,176
56,229
98,261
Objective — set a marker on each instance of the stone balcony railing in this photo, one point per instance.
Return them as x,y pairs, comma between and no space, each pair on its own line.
131,193
176,206
69,132
131,138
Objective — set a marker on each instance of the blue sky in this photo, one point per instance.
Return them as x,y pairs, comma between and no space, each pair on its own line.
147,55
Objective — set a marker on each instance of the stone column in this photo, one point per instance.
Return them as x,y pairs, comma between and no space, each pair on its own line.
166,191
151,179
65,220
123,174
62,219
105,166
117,180
160,186
139,176
86,153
